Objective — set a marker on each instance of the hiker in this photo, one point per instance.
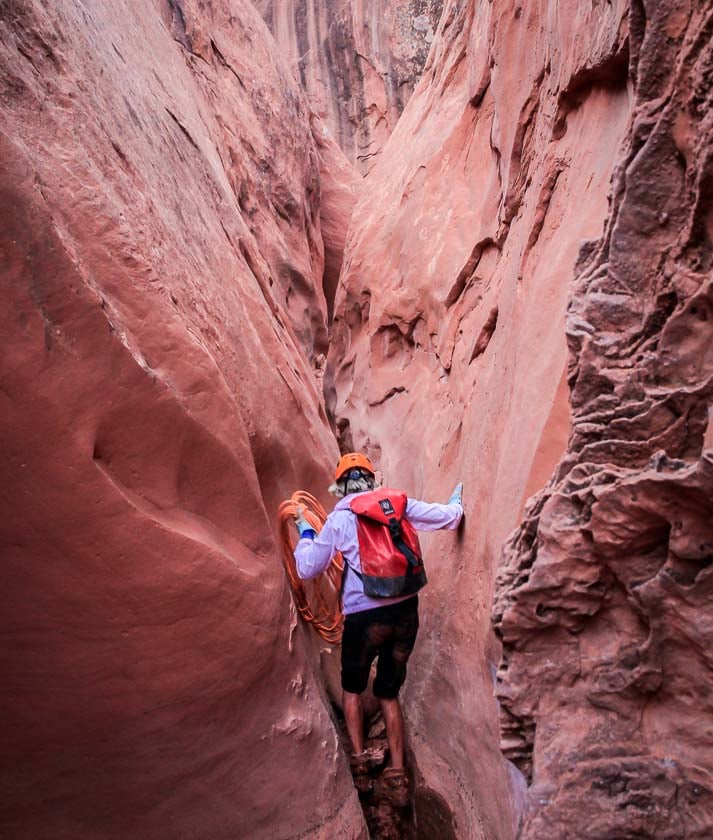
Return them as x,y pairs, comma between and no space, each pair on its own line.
374,530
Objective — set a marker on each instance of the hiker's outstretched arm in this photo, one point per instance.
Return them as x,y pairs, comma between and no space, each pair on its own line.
428,516
314,555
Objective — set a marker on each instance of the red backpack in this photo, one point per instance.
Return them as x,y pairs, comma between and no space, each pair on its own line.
391,563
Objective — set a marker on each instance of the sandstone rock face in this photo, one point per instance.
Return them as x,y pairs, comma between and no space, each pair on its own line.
174,229
339,187
448,357
604,599
359,62
162,313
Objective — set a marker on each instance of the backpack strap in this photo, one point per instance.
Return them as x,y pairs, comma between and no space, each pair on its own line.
344,580
398,540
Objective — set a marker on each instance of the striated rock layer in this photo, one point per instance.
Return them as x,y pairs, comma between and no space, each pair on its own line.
448,357
162,311
358,62
604,599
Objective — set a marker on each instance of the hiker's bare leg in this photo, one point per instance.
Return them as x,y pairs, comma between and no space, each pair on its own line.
394,720
354,717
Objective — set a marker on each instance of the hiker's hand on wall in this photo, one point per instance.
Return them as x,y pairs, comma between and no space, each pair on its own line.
457,495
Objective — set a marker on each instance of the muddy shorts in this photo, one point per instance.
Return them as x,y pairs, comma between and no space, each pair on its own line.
388,633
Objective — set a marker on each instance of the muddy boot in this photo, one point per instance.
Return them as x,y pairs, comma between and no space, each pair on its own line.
360,773
394,787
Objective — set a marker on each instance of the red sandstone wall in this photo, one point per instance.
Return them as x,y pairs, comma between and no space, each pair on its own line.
358,62
169,230
448,359
604,598
162,310
339,185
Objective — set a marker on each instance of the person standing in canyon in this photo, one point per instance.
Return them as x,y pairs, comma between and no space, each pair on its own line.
374,529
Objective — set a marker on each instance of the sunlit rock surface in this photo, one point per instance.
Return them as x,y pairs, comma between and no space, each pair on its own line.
358,61
448,358
605,597
162,315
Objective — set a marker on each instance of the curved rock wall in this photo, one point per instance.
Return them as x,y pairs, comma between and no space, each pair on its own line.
448,356
162,316
604,599
358,62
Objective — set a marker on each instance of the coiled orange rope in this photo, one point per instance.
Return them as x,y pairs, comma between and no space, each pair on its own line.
316,599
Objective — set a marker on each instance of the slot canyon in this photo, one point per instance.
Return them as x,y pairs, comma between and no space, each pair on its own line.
472,239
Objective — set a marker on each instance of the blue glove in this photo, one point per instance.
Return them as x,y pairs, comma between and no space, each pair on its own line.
303,526
457,495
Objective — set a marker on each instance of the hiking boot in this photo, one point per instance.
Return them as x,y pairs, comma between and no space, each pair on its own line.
359,765
394,787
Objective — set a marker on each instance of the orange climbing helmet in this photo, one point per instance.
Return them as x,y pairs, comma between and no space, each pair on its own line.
353,461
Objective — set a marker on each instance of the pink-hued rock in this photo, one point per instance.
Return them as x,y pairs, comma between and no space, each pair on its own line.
358,62
174,227
448,356
339,186
162,309
604,598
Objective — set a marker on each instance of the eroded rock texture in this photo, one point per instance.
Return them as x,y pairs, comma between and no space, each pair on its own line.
448,358
162,312
358,61
604,599
339,187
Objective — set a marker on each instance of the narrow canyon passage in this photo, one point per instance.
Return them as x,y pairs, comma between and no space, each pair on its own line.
472,239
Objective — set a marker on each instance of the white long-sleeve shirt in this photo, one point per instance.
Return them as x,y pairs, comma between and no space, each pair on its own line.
340,534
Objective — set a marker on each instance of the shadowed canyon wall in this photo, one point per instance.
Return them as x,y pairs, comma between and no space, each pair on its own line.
161,324
358,62
604,599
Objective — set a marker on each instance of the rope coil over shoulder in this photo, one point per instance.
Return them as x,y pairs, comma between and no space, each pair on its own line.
318,599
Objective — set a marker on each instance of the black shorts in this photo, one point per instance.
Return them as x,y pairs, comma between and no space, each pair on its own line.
388,632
